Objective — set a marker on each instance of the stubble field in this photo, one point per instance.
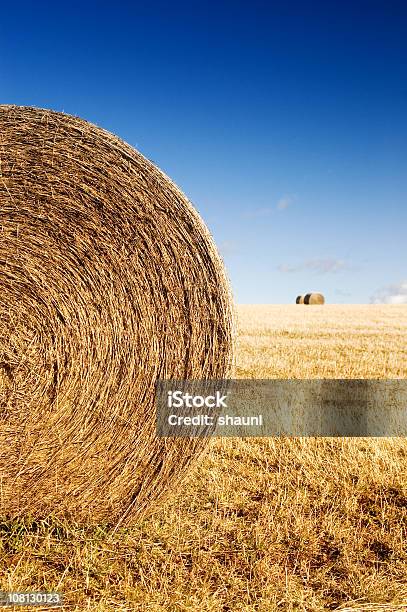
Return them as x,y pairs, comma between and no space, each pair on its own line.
260,524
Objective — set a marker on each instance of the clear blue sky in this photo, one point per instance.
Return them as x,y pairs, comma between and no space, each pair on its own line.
284,122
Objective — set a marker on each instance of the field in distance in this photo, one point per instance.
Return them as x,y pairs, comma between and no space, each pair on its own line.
330,341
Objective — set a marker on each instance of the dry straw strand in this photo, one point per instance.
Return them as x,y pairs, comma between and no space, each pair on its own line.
109,281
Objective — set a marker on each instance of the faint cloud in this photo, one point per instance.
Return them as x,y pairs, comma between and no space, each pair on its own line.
342,293
265,211
391,294
227,247
256,213
285,202
318,266
326,266
286,269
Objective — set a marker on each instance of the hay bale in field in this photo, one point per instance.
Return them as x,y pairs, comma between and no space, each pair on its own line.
300,299
109,280
314,298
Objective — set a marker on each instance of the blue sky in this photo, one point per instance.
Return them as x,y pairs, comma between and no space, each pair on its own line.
285,123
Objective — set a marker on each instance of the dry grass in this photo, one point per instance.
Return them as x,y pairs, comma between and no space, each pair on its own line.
323,341
262,524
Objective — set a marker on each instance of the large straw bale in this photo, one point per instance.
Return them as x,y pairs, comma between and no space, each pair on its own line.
109,281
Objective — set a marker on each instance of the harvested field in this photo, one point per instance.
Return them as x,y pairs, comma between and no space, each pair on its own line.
330,341
261,524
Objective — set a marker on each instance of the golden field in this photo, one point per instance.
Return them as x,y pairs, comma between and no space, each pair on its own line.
260,524
297,341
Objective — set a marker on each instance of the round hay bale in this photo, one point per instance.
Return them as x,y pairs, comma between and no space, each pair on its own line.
109,281
300,299
314,298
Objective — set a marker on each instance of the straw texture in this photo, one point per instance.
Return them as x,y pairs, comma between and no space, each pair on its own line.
109,280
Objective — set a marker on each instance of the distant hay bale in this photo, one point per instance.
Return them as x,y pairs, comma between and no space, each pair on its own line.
314,298
300,299
109,281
